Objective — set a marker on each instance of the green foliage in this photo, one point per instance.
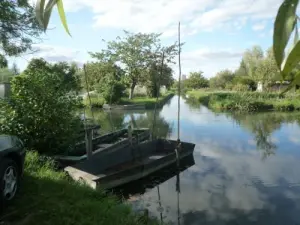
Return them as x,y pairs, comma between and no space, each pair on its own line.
43,187
285,23
18,27
244,80
97,101
66,72
221,79
196,80
3,62
247,101
6,75
240,87
41,110
43,13
139,53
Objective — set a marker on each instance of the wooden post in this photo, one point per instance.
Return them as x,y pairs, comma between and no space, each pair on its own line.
89,142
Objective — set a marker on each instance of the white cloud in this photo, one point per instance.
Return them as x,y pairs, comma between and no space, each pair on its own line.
57,53
210,60
259,26
163,15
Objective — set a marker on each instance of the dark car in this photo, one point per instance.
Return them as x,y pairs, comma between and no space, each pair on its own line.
12,155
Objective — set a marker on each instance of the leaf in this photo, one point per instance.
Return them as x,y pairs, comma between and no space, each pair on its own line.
283,27
292,60
62,15
296,38
296,81
48,12
39,11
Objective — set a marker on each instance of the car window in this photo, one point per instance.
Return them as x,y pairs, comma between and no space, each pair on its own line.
7,142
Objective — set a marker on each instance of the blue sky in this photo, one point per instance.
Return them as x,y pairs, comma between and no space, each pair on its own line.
216,32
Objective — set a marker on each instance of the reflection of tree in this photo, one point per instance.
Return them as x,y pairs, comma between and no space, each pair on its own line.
161,129
109,121
113,120
262,125
192,103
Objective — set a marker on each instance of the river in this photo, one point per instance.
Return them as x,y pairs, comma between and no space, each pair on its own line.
245,169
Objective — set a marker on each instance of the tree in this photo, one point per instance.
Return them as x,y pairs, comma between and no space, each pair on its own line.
41,110
15,69
67,73
6,74
18,27
251,60
3,62
267,70
222,79
196,80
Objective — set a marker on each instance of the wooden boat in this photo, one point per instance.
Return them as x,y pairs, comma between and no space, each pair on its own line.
123,164
105,143
140,186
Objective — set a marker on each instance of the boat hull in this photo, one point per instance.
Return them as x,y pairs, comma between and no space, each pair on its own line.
130,163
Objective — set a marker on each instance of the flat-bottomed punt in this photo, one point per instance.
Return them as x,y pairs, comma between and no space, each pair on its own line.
104,143
121,165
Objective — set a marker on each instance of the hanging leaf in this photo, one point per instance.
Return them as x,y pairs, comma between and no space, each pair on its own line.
39,11
296,38
292,59
48,12
283,27
295,82
62,15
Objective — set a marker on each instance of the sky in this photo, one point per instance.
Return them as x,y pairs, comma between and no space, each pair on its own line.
215,32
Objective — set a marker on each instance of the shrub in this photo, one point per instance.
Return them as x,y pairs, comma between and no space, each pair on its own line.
111,90
240,87
41,112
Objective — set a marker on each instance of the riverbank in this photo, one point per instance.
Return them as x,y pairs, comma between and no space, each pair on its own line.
50,197
141,102
145,102
246,101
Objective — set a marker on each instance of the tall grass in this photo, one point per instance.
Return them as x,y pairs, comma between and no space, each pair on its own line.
248,101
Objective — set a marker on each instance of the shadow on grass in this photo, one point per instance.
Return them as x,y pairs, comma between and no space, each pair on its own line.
49,197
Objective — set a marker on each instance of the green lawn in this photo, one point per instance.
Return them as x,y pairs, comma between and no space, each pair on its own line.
49,197
246,101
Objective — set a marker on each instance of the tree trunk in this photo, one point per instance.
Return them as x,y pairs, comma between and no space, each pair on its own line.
131,90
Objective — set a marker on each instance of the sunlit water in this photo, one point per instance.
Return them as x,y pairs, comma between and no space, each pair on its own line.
246,171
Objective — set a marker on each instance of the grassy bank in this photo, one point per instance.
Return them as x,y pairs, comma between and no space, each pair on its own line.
246,101
49,197
97,101
148,102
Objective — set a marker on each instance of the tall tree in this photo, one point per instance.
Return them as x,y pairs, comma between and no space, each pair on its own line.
134,52
196,80
222,78
267,70
18,27
251,59
15,69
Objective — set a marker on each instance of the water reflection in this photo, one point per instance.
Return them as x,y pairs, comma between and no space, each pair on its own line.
113,120
229,183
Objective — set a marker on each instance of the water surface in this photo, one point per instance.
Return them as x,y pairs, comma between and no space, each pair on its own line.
245,169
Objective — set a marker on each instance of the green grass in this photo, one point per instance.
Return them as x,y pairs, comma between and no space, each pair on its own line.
50,197
247,101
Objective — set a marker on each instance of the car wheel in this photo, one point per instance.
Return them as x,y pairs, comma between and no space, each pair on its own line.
9,180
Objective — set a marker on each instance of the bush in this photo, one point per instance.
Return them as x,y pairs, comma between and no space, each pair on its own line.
240,87
111,91
41,112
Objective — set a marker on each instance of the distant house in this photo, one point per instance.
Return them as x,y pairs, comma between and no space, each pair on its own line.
183,77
